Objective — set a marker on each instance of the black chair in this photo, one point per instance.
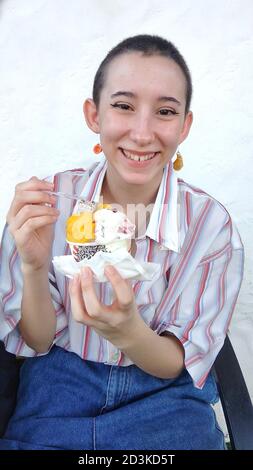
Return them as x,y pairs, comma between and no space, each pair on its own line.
9,378
234,396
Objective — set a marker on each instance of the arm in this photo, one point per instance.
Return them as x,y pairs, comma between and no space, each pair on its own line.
31,219
161,356
38,319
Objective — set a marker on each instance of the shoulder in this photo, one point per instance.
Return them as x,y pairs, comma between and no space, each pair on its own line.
193,201
204,220
68,179
72,175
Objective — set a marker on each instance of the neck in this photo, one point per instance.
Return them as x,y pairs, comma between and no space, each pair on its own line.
123,193
135,200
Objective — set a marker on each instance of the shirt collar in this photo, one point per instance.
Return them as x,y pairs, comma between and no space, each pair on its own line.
93,186
163,224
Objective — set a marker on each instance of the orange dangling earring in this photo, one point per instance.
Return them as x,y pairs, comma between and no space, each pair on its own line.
97,149
178,163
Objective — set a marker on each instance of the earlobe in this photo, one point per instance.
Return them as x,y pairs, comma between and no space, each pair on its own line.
91,115
187,126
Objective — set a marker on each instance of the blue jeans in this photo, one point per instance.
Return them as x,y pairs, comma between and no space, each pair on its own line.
67,403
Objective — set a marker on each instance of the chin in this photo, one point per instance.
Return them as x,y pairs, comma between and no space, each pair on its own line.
137,179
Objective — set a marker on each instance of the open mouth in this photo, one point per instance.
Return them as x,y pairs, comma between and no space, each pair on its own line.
138,158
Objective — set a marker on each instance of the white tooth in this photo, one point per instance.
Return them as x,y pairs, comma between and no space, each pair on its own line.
137,158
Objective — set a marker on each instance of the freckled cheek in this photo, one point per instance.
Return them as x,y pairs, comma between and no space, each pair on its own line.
113,130
170,135
169,139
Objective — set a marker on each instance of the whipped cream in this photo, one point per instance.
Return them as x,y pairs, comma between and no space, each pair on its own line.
112,225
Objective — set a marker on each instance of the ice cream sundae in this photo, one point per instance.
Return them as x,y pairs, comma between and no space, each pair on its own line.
97,227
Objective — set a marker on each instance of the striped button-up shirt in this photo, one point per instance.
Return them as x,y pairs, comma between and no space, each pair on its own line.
189,234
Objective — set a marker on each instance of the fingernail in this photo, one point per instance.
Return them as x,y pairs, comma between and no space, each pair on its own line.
85,272
53,201
73,280
109,269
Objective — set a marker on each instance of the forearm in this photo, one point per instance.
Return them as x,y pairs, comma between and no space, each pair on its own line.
161,356
38,319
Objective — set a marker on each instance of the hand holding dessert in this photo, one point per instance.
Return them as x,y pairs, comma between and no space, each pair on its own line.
96,228
119,322
30,221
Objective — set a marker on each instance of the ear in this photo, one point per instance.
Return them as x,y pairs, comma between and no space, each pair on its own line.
186,126
91,115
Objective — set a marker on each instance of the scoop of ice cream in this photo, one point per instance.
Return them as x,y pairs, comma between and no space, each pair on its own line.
111,226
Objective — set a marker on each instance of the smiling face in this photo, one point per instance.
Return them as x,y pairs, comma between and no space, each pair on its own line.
141,117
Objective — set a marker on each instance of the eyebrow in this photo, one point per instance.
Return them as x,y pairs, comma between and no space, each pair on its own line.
129,94
169,98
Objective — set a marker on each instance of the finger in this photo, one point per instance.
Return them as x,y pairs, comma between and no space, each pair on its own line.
23,198
122,289
31,225
34,184
30,211
77,305
92,304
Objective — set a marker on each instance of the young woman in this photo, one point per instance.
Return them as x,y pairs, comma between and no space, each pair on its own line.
122,365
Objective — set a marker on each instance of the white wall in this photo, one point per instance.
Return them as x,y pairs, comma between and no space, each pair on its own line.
49,52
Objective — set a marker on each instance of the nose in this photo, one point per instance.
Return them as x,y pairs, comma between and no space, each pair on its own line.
142,132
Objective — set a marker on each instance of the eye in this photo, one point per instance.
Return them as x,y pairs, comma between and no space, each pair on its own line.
167,112
124,106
